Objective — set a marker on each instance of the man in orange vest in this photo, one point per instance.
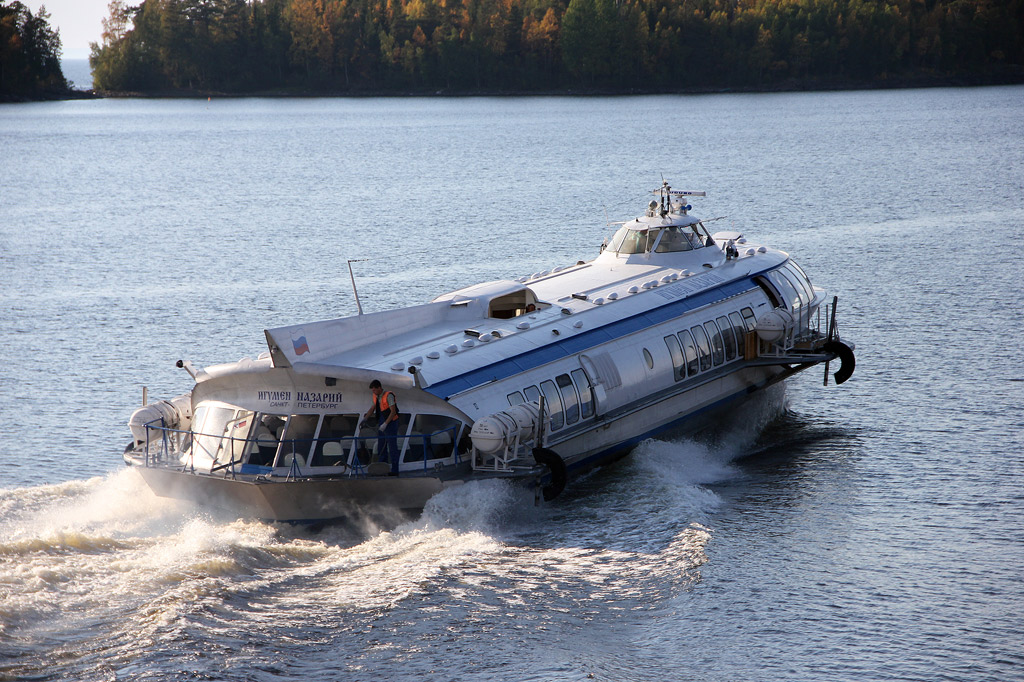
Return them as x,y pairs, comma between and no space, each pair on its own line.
385,407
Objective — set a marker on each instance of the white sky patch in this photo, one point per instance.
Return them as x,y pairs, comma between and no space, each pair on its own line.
80,22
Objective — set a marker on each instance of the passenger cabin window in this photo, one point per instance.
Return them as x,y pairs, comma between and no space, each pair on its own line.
237,432
649,359
515,398
797,284
433,436
334,442
690,351
717,345
296,440
532,394
728,338
803,274
265,442
569,399
703,345
586,397
367,443
737,327
749,321
769,289
788,291
554,404
800,280
676,351
212,430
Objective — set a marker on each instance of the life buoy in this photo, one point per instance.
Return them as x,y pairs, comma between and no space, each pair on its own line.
845,355
559,474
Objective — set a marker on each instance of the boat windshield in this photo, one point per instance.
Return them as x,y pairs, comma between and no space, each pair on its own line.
669,239
675,238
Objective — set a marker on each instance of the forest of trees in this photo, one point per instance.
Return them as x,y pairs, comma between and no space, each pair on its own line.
29,53
552,45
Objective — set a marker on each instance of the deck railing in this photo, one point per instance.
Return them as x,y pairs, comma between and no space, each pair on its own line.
806,332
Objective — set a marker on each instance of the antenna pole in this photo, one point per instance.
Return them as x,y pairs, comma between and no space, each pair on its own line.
352,277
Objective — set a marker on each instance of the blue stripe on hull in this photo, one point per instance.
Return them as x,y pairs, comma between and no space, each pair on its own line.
588,339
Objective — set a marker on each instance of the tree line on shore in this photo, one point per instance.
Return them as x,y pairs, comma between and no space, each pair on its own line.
544,45
29,53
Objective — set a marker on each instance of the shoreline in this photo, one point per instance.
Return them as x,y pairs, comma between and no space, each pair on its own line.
918,81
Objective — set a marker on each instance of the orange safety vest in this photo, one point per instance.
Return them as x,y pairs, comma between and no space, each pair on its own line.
382,404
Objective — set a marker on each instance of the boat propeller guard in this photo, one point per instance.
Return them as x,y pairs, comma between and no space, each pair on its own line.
559,473
847,361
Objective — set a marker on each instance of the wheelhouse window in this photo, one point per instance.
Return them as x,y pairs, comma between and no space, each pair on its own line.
675,238
629,240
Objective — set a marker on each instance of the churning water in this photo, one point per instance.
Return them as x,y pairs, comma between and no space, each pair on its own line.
868,531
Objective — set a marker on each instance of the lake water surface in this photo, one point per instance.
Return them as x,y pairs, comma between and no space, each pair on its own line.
869,531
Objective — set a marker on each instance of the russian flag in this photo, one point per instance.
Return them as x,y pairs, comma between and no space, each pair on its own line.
300,345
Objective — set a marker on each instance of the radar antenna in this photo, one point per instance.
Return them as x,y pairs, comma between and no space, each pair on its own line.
666,193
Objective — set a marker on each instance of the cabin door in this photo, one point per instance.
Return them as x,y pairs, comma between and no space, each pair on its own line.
603,375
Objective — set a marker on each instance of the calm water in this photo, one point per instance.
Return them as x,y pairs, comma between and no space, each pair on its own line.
864,532
78,72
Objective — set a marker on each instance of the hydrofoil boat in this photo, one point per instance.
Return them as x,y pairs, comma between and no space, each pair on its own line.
535,379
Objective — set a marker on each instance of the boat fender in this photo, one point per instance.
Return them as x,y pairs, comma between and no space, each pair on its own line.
847,361
559,473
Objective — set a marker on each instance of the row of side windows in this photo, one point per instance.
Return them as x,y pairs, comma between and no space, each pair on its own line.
716,342
568,399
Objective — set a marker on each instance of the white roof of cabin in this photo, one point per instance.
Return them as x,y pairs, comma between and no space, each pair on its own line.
433,335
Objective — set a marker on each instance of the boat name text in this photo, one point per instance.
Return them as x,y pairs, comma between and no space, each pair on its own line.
303,399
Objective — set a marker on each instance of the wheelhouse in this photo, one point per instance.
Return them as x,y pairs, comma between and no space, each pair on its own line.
639,237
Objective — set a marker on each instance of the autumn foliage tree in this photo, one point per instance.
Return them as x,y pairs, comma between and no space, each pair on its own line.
552,45
29,53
